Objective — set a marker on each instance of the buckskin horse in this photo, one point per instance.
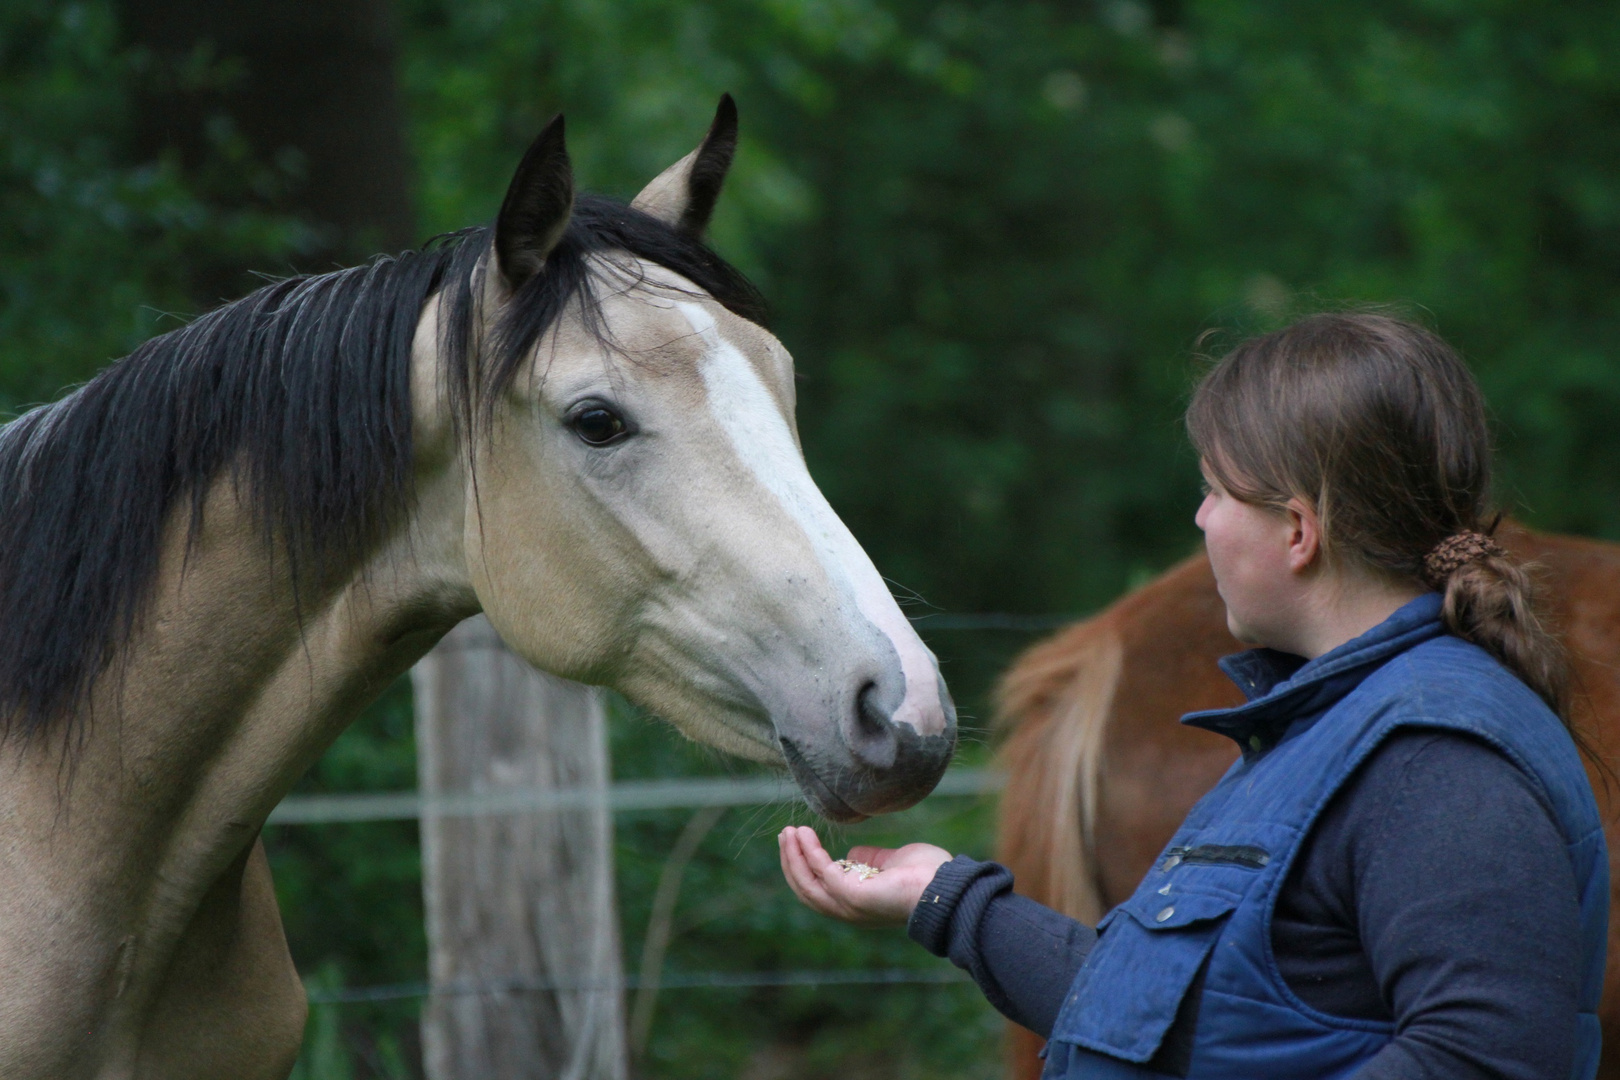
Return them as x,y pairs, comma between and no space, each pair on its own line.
216,552
1100,772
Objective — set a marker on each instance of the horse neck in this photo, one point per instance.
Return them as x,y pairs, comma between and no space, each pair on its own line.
235,682
230,687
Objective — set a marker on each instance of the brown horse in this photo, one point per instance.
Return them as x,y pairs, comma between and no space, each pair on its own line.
1100,772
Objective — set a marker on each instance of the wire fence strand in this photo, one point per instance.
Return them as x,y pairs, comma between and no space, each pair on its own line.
624,796
699,980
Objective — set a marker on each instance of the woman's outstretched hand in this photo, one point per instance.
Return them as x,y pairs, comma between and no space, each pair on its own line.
882,899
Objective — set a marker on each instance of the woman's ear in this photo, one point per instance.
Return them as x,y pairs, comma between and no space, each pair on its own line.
1304,538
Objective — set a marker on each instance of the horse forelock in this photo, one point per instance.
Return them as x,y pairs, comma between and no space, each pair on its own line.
598,229
300,392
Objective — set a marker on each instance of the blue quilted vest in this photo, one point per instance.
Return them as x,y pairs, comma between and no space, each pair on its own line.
1209,898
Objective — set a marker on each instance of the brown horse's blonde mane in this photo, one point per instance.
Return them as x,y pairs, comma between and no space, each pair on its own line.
1053,707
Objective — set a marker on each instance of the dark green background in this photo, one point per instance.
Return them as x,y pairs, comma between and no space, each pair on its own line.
995,237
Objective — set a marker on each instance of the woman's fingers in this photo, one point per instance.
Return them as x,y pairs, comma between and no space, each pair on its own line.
831,880
802,879
815,878
815,856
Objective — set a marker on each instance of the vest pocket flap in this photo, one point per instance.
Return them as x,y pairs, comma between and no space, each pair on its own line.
1158,912
1131,987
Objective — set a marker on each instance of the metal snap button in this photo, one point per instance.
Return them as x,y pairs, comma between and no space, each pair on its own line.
1165,914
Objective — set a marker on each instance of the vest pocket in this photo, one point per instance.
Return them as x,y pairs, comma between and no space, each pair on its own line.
1131,987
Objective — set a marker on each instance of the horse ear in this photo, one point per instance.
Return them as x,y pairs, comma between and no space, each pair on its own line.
537,207
684,194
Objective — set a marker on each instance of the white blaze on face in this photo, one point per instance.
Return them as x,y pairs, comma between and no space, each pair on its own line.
750,416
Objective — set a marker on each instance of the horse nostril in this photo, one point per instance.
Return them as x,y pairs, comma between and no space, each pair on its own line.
872,737
870,714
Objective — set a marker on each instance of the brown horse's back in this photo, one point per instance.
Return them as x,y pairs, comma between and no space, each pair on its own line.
1101,772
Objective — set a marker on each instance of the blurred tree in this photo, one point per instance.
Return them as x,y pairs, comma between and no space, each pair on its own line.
307,90
994,231
94,242
516,897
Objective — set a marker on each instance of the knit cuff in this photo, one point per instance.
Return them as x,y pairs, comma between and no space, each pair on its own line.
930,922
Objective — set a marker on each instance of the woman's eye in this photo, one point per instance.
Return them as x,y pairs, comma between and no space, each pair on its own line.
598,425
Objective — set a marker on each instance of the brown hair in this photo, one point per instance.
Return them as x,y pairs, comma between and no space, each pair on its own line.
1379,425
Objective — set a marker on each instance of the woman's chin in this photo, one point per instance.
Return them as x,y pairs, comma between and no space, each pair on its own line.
1244,635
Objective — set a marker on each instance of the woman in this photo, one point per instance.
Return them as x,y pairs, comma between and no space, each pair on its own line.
1404,874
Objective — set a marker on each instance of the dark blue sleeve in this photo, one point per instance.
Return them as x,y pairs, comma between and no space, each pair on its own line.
1438,881
1023,955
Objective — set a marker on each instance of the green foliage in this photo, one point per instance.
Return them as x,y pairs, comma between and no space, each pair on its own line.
993,233
338,1045
95,248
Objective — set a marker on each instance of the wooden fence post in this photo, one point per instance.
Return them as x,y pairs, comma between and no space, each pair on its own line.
521,899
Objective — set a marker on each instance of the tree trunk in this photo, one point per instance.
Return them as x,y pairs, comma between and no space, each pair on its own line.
310,91
522,901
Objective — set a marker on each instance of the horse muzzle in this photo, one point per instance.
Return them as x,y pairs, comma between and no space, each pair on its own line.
875,765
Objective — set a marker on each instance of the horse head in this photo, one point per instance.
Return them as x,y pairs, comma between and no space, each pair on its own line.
638,513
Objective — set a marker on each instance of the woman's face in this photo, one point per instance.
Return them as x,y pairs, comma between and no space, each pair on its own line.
1252,550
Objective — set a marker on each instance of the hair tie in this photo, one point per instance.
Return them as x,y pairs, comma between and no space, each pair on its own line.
1455,552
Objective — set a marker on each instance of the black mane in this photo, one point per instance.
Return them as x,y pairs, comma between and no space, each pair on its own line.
300,393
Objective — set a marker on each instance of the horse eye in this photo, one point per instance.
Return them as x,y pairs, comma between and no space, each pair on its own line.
598,425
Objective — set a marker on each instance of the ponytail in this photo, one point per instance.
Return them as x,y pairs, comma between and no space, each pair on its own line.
1491,601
